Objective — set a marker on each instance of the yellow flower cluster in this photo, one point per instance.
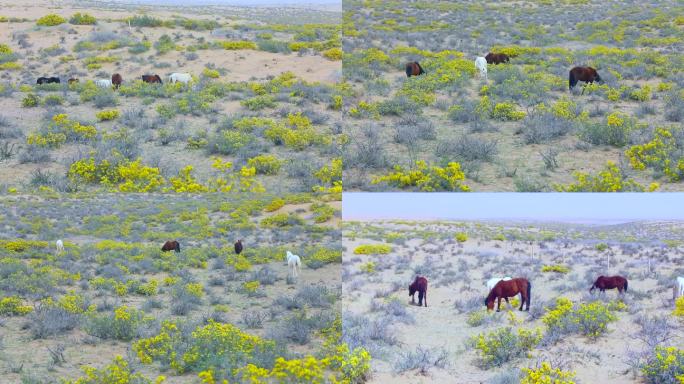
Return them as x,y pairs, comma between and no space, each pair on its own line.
610,179
659,153
115,373
13,306
427,178
107,115
373,249
555,268
546,374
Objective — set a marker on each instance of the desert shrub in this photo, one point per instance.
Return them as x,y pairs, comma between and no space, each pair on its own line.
506,112
121,325
50,20
13,306
660,153
503,345
116,373
265,164
144,21
461,237
665,365
322,212
543,127
426,177
274,46
52,100
546,374
210,73
236,45
259,102
333,54
679,307
30,100
48,320
164,44
82,19
614,131
467,149
422,360
555,268
282,220
373,249
107,115
611,179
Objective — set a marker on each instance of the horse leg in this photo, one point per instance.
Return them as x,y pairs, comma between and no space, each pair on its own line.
420,298
498,307
425,297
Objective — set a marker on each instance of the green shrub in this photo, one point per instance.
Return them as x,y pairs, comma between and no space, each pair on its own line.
30,100
51,20
13,306
82,19
259,102
282,220
503,345
121,325
265,164
665,365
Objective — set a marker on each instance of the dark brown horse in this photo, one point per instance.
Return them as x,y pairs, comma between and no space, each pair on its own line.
497,58
509,288
171,245
151,79
116,80
47,80
414,69
586,74
238,247
610,282
72,80
419,285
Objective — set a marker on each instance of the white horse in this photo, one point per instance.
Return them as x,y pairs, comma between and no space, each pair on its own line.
678,290
494,280
293,264
60,246
180,77
103,83
481,65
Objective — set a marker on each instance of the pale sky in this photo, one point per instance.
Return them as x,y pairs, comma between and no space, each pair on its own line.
574,207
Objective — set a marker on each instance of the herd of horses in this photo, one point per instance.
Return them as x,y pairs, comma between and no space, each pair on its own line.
117,80
507,287
294,262
577,74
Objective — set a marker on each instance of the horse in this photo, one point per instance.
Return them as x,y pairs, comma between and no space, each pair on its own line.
171,245
419,285
117,80
60,246
497,58
238,247
481,65
509,288
293,264
610,282
414,69
103,83
492,282
47,80
586,74
72,80
151,79
678,290
180,77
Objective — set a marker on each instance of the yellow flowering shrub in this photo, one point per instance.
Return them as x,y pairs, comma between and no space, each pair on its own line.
115,373
461,237
251,286
503,345
373,249
546,374
210,73
274,205
426,177
506,112
51,20
679,307
664,365
236,45
148,289
13,306
368,267
611,179
555,268
334,54
661,154
21,245
107,115
265,164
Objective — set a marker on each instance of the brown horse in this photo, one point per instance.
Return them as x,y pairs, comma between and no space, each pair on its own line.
419,285
414,69
586,74
497,58
171,245
238,247
116,80
151,79
610,282
72,80
509,288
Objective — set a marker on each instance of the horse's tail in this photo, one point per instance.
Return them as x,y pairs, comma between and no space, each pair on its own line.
571,80
421,71
529,293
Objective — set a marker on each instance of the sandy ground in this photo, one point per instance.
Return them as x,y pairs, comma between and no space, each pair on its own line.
446,263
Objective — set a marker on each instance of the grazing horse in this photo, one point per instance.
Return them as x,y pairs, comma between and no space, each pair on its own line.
678,287
293,264
151,79
492,282
180,77
103,83
60,246
509,288
238,247
419,285
414,69
117,80
72,80
586,74
481,65
47,80
171,245
497,58
610,282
